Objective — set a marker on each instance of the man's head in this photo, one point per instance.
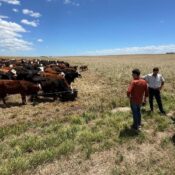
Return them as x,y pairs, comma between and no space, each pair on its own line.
155,71
136,73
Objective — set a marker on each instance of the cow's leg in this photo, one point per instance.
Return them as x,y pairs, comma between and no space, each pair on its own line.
23,97
34,98
54,98
2,96
3,99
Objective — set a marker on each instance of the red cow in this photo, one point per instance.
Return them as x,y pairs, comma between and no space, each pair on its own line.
17,87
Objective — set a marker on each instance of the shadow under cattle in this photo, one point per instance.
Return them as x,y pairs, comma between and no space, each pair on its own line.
128,133
42,100
11,104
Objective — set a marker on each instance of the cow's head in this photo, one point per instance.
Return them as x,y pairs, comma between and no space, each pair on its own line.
79,75
71,76
62,74
14,73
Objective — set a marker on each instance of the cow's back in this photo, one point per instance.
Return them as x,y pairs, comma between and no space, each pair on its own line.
28,87
17,86
9,86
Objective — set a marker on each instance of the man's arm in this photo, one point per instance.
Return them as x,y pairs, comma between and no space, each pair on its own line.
145,77
130,89
162,82
146,94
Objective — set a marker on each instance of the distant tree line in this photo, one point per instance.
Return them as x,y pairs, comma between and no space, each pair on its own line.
170,53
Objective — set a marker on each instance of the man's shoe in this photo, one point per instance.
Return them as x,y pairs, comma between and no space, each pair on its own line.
163,112
139,128
150,111
135,128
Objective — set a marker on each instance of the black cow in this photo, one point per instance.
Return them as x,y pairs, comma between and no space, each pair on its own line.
52,87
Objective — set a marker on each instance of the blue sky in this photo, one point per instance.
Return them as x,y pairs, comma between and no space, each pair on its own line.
86,27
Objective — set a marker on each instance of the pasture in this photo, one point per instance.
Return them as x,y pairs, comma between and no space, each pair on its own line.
90,135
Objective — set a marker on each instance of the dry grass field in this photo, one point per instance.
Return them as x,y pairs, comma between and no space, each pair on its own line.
90,135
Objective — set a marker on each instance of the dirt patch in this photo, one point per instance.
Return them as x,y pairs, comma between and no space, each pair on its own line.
171,114
121,109
99,164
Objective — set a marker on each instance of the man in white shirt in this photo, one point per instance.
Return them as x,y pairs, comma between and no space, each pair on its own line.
155,83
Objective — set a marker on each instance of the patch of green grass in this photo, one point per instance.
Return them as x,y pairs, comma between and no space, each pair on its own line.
162,123
142,137
88,150
168,101
76,120
87,136
29,161
165,141
87,117
115,171
16,129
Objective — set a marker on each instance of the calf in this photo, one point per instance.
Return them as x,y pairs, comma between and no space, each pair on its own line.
17,87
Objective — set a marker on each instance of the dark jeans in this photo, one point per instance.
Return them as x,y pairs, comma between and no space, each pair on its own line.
155,93
136,115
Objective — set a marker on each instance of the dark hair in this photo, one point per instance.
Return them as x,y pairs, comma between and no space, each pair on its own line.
136,71
155,69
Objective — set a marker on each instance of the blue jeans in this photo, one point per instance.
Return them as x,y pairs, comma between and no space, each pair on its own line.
136,115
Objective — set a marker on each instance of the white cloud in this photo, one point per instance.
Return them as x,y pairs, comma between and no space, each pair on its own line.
67,1
11,37
152,49
3,17
31,13
40,40
13,2
15,10
77,4
0,4
30,23
71,2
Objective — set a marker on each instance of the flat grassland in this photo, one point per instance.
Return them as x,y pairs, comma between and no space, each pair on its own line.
92,135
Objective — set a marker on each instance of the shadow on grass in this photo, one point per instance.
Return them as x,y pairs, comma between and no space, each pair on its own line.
173,139
146,112
128,133
44,100
173,119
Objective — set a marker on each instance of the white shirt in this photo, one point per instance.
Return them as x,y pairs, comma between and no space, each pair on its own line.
154,82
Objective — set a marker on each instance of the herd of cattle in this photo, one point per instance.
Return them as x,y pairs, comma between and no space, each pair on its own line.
28,77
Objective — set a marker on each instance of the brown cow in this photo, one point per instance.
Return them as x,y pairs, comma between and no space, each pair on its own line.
55,76
50,70
17,87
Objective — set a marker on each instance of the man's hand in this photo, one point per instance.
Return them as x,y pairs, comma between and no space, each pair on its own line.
160,88
144,101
